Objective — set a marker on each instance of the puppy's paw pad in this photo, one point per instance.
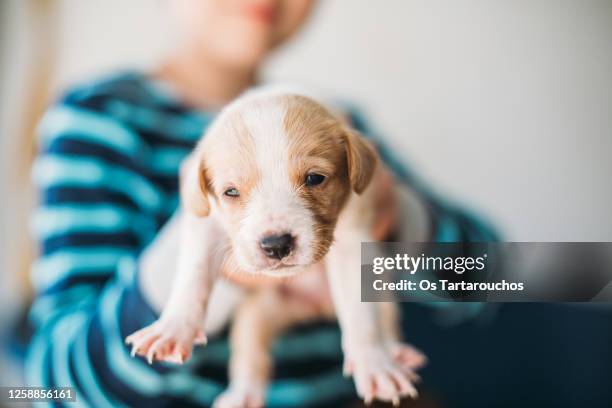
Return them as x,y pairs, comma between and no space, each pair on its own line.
241,397
167,341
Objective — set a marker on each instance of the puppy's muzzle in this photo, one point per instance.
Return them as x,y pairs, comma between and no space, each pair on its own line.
277,246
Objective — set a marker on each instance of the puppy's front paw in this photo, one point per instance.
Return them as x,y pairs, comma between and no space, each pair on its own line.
379,376
247,396
168,340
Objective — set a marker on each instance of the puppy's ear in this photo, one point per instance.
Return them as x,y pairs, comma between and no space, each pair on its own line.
361,158
193,185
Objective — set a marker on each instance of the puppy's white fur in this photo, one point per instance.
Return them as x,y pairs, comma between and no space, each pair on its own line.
274,206
228,240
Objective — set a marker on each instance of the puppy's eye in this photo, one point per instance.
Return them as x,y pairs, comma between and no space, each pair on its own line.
314,179
232,192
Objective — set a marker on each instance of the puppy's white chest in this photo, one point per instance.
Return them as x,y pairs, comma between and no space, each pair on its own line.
310,287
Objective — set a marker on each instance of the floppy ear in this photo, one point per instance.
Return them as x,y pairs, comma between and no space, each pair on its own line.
193,185
361,159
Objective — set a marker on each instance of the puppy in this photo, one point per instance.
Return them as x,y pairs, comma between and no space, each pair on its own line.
277,197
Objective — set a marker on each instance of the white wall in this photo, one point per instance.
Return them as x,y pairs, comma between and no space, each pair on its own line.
504,105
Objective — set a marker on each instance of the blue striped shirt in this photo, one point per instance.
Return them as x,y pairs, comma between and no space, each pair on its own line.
107,176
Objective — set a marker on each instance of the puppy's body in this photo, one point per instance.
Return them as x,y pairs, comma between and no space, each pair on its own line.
278,197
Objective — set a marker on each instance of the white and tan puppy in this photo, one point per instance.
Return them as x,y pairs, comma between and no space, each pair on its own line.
278,197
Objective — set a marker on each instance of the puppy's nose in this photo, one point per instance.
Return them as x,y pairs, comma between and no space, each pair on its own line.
277,246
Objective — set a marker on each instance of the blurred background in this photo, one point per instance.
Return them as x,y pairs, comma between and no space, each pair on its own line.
505,106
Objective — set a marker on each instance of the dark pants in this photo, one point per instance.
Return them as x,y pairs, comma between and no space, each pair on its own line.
526,355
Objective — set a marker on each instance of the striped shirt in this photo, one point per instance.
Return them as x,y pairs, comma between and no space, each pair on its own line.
107,176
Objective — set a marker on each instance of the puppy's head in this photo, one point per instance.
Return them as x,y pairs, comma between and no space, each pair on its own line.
276,169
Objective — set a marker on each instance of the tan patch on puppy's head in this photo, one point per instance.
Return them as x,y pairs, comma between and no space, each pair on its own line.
223,159
319,143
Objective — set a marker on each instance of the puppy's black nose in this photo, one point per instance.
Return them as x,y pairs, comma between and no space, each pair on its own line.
277,246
